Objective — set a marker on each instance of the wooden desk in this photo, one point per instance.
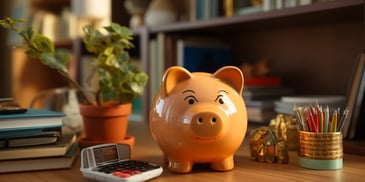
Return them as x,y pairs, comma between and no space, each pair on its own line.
245,169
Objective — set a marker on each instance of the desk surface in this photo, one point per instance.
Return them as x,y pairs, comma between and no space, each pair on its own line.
245,169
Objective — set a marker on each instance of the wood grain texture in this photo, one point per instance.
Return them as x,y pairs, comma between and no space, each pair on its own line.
245,169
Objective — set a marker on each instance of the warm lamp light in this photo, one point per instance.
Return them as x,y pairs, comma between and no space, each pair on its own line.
91,9
95,12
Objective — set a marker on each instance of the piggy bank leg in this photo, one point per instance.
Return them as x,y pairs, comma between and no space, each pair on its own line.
223,165
165,158
179,166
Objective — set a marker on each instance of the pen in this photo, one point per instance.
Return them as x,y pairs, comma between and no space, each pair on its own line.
321,120
309,116
318,119
334,121
326,118
317,112
299,119
342,120
315,115
304,119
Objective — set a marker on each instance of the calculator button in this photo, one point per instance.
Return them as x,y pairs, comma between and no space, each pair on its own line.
126,169
121,174
126,173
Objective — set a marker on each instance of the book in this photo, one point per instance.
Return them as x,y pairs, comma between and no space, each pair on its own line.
288,103
228,7
305,2
264,93
170,50
42,138
43,163
198,54
312,99
263,81
207,9
57,149
33,118
359,133
154,72
28,132
355,97
160,57
191,9
259,115
264,104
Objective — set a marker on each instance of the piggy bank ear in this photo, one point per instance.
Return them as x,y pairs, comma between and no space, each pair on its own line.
232,76
172,77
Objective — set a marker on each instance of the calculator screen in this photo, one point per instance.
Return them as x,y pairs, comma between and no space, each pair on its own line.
105,154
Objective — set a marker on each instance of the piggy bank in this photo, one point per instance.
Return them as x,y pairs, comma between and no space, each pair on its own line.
199,118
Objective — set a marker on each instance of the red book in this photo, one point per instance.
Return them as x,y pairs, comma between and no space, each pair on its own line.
263,81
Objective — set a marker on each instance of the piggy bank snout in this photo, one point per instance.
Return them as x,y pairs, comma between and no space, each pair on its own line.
207,125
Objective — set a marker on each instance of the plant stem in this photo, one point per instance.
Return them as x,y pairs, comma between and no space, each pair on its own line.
78,87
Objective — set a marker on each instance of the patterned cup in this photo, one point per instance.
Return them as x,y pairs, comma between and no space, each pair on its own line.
320,150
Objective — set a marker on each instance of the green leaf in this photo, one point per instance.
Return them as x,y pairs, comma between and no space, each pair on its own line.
123,57
118,80
27,34
50,60
42,48
137,88
63,56
43,43
141,77
109,50
10,23
110,61
31,53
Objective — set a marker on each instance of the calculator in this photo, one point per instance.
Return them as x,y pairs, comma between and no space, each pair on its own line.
112,163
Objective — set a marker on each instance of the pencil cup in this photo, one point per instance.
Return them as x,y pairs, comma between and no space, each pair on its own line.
320,150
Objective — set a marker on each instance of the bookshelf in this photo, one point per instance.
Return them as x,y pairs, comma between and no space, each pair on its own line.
299,42
283,32
28,75
312,47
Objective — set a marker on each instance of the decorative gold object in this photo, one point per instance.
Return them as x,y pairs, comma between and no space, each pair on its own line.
291,129
269,144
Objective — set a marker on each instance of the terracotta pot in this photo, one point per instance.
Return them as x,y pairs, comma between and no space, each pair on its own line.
105,124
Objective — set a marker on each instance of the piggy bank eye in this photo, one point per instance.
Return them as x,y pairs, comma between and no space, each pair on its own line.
220,99
191,99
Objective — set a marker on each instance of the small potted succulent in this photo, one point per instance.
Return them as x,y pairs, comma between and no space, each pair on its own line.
119,82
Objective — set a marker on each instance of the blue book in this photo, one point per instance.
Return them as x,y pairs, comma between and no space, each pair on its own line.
28,132
203,55
199,9
33,118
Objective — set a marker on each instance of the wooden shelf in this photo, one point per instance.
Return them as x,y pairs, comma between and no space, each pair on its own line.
298,41
354,147
245,169
50,5
340,10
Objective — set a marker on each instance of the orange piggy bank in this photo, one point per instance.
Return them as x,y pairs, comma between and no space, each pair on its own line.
199,118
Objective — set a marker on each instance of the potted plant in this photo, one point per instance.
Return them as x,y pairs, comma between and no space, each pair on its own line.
119,82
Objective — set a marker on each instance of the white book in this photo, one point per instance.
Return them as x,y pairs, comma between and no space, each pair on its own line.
304,2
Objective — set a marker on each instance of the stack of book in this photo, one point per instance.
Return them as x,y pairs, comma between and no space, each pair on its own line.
33,140
287,104
260,94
